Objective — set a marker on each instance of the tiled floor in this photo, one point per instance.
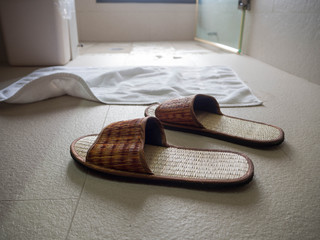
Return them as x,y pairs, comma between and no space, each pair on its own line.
45,195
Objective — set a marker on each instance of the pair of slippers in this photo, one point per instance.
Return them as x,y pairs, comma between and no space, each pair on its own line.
137,148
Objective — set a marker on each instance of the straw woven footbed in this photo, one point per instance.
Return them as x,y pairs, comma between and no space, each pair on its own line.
184,163
233,126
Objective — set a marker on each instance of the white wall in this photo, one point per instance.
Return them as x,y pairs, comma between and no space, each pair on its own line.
285,34
134,22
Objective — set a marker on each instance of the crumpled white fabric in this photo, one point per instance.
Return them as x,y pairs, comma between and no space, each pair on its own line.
131,85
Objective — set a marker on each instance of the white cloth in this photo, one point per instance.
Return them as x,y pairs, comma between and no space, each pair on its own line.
131,85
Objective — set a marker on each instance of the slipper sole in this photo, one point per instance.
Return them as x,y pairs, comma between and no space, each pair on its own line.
231,129
178,164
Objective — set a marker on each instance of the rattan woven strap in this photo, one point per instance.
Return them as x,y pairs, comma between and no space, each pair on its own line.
120,145
182,110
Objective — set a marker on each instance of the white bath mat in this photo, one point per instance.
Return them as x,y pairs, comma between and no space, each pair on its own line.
131,85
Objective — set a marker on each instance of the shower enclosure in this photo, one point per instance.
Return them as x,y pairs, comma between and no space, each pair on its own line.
221,23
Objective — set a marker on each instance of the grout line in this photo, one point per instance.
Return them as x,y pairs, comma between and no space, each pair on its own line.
105,118
75,210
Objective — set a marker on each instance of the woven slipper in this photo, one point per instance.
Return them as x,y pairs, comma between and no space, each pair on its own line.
201,114
138,149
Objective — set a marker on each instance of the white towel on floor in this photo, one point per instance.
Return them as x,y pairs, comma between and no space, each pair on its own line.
131,85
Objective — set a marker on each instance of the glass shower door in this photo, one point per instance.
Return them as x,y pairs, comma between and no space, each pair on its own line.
220,23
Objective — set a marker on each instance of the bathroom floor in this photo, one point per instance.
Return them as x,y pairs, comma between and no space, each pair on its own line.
44,194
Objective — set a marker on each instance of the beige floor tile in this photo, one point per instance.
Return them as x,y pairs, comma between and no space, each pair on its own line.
159,59
10,75
40,219
121,210
158,54
38,164
99,60
120,113
102,48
